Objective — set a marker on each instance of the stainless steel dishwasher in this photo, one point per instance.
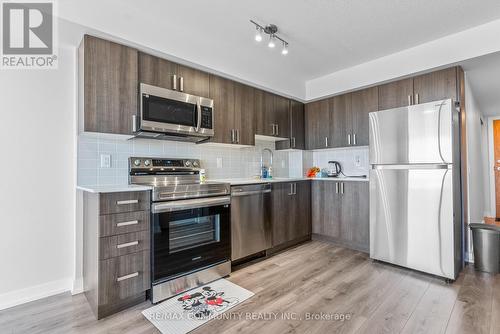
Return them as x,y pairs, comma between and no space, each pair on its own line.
250,219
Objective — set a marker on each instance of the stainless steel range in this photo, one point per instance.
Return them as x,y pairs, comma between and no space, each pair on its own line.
190,225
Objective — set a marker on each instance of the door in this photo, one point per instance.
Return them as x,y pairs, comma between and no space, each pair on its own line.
195,82
326,207
411,218
264,107
419,134
356,201
222,92
156,71
340,121
244,121
110,86
317,125
363,102
281,116
395,94
439,85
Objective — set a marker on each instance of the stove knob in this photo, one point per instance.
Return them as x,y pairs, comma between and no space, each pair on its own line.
187,163
137,162
147,162
196,164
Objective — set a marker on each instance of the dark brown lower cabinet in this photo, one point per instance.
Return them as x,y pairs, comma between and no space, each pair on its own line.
340,212
291,211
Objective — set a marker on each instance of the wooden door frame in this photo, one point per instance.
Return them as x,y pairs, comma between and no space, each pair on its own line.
491,162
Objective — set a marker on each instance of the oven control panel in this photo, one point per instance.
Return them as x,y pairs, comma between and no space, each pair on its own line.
162,163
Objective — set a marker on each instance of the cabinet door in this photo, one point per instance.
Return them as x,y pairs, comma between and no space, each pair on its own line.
281,116
195,82
156,71
435,86
317,129
280,206
110,86
356,214
222,92
264,107
326,206
395,94
340,121
301,226
363,102
244,121
297,128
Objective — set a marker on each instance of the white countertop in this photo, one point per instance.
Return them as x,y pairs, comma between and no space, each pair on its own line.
236,182
113,188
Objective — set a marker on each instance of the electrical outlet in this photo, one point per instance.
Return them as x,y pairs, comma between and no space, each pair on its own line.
219,162
357,161
105,161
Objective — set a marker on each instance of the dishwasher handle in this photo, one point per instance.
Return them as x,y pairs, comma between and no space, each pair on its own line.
249,193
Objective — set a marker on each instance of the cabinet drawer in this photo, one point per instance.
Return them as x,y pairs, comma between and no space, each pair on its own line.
123,202
122,277
123,244
121,223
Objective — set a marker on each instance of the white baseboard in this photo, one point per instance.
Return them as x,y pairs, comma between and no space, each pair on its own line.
77,286
32,293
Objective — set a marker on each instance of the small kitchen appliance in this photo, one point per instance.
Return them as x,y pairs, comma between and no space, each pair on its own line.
334,169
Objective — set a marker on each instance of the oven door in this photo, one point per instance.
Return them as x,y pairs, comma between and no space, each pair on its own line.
169,111
188,235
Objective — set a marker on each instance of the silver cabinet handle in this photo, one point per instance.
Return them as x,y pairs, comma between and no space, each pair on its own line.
232,136
128,244
181,84
274,131
293,142
130,201
291,189
237,136
354,139
122,278
295,188
277,129
409,100
134,123
417,99
132,222
326,141
349,139
342,188
336,187
174,82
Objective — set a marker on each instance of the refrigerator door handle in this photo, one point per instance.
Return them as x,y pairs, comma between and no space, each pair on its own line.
414,166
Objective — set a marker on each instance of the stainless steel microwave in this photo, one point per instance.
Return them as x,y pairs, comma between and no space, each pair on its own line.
170,114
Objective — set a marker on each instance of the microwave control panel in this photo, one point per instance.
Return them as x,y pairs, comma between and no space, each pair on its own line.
206,117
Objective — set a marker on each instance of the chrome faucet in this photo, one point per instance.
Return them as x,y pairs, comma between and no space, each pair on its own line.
262,168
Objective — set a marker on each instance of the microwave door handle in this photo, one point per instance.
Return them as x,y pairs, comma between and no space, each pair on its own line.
198,121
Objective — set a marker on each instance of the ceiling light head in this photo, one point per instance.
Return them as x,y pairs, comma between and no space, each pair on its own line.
271,43
284,51
258,34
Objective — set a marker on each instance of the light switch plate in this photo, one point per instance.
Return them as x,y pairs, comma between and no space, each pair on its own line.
105,160
219,162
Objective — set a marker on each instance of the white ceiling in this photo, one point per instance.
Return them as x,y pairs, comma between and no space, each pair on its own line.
483,74
325,35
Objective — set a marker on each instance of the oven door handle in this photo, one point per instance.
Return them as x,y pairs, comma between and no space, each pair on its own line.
190,204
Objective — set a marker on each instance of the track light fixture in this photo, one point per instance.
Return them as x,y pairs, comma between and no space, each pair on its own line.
270,30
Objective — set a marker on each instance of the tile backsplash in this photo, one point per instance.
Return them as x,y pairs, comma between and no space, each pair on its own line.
354,160
236,162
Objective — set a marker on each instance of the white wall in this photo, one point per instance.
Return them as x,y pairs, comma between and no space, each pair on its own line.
477,153
37,194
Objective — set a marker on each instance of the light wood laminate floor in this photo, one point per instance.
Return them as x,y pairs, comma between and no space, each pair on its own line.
315,278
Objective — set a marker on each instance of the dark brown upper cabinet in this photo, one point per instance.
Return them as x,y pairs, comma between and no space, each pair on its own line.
317,124
222,92
264,107
166,74
340,121
435,86
244,99
281,116
395,94
108,86
363,102
297,130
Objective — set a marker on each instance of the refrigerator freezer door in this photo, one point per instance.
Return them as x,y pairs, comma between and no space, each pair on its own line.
411,218
419,134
